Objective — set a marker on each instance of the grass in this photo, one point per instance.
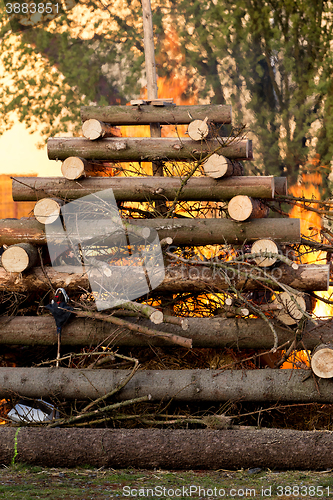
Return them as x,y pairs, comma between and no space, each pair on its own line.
23,482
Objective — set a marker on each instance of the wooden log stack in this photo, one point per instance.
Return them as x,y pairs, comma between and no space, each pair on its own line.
248,223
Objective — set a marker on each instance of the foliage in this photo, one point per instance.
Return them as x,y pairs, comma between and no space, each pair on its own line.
271,60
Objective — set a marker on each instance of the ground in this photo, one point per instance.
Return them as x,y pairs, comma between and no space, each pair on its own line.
27,482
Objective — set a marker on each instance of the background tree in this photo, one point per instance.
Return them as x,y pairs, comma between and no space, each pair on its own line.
272,60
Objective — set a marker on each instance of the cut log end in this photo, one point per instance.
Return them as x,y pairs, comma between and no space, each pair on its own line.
156,317
198,130
293,308
265,246
47,210
92,129
73,168
243,207
18,258
322,361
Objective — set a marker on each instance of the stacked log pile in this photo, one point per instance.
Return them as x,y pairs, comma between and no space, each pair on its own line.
265,264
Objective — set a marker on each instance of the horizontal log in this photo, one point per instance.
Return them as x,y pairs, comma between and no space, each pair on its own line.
94,129
19,258
183,231
194,449
179,385
143,188
194,279
144,115
205,332
147,148
242,208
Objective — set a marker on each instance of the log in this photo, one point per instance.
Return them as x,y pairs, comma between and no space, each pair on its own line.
74,168
173,449
94,129
198,129
180,385
144,115
322,361
265,246
184,231
308,277
217,166
290,313
47,210
146,148
243,207
143,188
19,258
205,332
281,186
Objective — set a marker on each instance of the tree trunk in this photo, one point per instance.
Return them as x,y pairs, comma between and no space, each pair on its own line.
205,332
178,385
47,210
322,361
19,258
218,166
144,188
144,115
183,231
184,449
94,129
242,208
308,277
74,168
147,149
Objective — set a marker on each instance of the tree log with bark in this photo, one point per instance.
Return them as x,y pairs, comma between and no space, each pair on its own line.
179,385
196,449
183,231
144,188
165,115
220,332
147,149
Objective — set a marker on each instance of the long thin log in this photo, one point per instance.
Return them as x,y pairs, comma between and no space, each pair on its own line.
147,149
144,115
204,332
143,188
179,385
308,277
174,449
183,231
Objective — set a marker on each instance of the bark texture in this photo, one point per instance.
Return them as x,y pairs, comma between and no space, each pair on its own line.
180,385
183,231
205,332
280,449
308,277
144,115
147,149
144,188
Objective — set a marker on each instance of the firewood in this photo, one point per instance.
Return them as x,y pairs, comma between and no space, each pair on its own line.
242,208
144,115
290,314
48,210
217,166
19,258
322,361
143,188
265,246
198,129
183,231
146,148
93,129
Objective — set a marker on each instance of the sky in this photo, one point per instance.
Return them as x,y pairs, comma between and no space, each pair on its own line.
19,154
